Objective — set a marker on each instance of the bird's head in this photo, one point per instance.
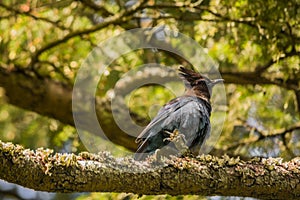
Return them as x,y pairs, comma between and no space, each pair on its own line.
197,84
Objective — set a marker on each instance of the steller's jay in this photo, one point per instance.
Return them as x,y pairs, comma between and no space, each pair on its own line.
187,116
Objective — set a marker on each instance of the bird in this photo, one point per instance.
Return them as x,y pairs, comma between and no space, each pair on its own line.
186,117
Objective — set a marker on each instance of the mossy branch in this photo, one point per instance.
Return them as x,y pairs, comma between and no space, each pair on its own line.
205,175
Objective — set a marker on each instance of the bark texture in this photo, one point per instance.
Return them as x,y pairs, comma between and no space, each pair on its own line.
205,175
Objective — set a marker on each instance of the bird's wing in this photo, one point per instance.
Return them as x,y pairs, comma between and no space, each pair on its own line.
194,121
151,137
159,119
188,114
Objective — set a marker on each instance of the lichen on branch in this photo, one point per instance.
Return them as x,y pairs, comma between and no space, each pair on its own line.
44,170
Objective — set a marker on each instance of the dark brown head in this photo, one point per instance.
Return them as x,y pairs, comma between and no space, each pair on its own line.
197,84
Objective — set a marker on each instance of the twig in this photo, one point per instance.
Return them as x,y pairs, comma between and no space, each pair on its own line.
115,19
28,14
263,135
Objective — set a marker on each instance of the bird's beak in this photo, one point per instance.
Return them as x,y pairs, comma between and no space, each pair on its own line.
216,81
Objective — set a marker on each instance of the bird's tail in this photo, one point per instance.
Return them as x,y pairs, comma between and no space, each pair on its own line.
140,153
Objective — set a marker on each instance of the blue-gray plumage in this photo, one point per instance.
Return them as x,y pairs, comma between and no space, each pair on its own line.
188,114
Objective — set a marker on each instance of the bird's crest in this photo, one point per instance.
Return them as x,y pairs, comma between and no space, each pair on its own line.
190,77
197,84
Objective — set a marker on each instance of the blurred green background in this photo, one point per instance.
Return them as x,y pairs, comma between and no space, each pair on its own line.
256,43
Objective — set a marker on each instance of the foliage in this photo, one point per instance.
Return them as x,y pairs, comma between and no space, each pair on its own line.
256,44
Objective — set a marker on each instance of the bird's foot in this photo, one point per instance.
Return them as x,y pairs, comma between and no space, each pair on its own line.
172,135
178,140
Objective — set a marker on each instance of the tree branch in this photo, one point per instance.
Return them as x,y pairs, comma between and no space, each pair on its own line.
262,68
96,7
262,135
253,78
57,24
196,8
297,93
112,20
53,99
205,175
